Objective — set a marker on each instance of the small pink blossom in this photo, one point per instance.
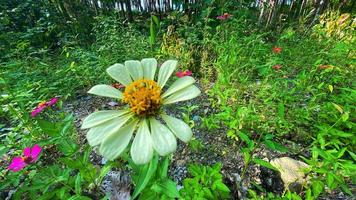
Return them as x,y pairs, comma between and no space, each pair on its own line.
30,155
41,106
53,101
37,110
181,74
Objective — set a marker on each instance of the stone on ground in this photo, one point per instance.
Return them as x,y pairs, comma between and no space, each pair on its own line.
291,172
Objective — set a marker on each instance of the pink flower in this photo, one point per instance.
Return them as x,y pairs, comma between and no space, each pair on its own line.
30,156
224,16
37,110
41,106
53,101
181,74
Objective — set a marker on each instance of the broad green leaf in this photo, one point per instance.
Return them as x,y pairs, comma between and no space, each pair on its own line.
169,188
50,128
222,187
317,188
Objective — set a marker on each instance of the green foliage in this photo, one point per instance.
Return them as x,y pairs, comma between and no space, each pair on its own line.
117,42
70,172
205,183
151,180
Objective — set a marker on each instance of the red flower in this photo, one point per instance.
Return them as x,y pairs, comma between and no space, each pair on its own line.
224,16
277,50
277,67
181,74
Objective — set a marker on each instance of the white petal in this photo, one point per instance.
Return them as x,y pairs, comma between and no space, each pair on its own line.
119,73
149,66
97,134
106,91
114,144
141,149
100,117
163,139
179,84
183,95
178,127
134,68
166,71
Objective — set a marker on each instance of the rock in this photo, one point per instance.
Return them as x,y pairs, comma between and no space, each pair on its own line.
181,162
291,172
196,118
117,183
113,103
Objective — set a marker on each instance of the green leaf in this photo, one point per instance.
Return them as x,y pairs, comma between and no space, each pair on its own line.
264,163
345,116
331,88
330,180
222,187
155,20
317,187
104,170
281,111
68,147
50,128
163,168
78,182
308,195
353,155
79,197
143,174
339,108
246,139
169,188
275,146
3,150
341,152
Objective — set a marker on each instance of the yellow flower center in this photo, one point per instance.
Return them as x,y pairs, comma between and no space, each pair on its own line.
143,96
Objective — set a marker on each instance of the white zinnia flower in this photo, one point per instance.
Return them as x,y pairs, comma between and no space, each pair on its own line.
113,129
